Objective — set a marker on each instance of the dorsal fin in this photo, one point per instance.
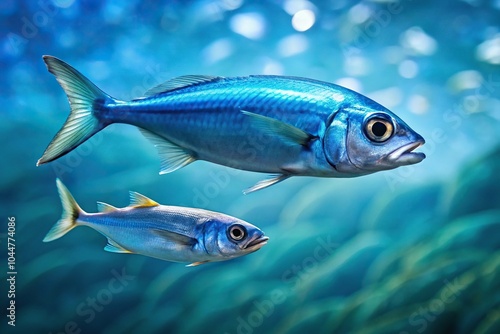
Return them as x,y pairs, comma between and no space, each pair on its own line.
179,82
105,207
140,201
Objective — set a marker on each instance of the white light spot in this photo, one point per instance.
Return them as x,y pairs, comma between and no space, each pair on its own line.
408,69
231,4
303,20
416,40
293,6
390,97
338,97
113,12
465,80
359,14
250,25
67,38
63,3
273,68
394,54
217,50
418,104
292,45
350,83
472,104
356,66
489,50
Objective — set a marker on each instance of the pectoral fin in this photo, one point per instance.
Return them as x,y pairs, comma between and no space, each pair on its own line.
113,247
275,127
172,156
180,239
266,183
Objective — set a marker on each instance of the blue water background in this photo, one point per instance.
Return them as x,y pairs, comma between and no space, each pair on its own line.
413,250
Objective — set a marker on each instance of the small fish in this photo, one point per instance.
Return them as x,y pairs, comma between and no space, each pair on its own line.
168,233
285,126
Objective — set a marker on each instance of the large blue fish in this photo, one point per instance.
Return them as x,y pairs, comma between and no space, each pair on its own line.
169,233
285,126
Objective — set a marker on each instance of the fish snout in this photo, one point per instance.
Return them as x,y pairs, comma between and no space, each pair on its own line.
405,155
255,242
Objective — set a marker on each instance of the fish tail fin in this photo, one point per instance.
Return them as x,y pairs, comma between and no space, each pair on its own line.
82,122
71,212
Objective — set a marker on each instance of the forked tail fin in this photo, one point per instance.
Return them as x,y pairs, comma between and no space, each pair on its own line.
81,123
71,212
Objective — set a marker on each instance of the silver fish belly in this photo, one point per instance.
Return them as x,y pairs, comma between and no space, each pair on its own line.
168,233
272,124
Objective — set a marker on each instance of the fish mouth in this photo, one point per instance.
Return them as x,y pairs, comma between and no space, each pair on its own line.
405,155
256,243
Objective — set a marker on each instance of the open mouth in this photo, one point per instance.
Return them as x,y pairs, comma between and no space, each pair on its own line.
256,243
405,155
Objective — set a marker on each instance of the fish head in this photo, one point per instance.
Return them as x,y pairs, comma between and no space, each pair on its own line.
233,237
363,139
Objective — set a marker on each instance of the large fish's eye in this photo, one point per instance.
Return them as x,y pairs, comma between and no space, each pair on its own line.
379,129
237,232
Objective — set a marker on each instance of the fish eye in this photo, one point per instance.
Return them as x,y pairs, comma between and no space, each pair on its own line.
379,129
237,232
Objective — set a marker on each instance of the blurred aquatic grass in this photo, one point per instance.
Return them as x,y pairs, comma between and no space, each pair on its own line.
372,280
379,279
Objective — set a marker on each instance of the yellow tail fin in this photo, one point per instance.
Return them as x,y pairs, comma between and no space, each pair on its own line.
71,212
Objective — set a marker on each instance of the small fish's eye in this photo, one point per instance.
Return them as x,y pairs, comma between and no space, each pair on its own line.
237,232
379,129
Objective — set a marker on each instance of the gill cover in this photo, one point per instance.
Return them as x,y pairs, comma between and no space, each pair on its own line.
334,142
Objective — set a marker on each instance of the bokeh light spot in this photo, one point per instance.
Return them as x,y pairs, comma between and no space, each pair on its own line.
408,69
292,45
250,25
303,20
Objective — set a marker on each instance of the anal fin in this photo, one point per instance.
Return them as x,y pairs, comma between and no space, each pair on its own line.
172,156
266,183
194,264
113,247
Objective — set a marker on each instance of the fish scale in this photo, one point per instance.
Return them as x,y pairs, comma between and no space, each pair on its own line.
169,233
209,108
285,126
